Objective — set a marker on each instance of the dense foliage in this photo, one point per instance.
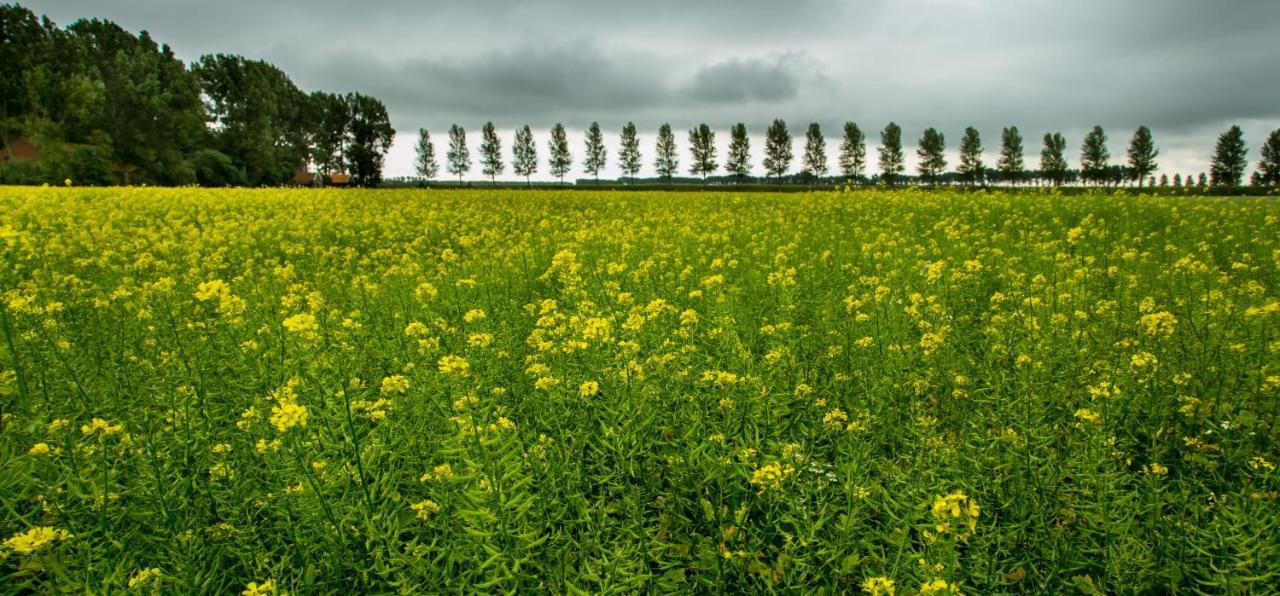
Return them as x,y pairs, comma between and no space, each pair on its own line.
105,106
501,391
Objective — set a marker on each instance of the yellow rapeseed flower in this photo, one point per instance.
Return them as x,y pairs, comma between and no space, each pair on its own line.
287,415
265,588
1159,324
938,586
145,577
453,365
771,475
102,426
955,513
303,325
425,508
1088,415
397,384
878,586
34,539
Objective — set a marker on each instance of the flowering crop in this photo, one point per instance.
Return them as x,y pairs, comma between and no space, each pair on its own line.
280,391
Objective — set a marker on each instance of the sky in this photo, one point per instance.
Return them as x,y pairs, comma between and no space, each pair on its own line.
1188,69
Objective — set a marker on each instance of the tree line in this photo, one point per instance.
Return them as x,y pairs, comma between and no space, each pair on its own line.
105,106
1229,158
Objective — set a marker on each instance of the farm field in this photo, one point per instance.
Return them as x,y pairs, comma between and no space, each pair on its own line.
553,391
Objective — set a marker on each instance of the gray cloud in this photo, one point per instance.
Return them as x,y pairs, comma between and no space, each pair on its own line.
1187,68
773,79
524,83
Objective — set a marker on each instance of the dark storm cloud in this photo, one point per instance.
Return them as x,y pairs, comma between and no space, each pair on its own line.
530,83
771,79
1187,68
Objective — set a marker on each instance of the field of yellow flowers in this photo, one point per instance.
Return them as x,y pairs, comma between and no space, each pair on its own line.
267,391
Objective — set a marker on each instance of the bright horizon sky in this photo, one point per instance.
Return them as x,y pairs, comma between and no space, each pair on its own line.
1188,69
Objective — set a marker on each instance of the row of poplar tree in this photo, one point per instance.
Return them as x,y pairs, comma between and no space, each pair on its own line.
1228,164
104,106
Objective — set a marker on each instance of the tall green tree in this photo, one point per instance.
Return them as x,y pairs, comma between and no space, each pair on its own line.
53,94
22,39
853,151
1094,157
561,160
596,154
702,150
931,154
491,162
1269,166
524,154
1010,165
369,135
629,160
151,115
971,170
327,131
777,149
738,161
458,156
1053,158
665,160
1142,155
891,158
425,161
104,105
815,151
257,116
1229,159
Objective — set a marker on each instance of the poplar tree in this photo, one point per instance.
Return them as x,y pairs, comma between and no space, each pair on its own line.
1142,154
524,154
1094,156
853,151
665,160
777,149
1269,166
891,159
1227,168
815,152
738,161
596,152
459,157
1010,164
702,149
629,151
425,163
561,160
930,152
971,169
490,152
1053,158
